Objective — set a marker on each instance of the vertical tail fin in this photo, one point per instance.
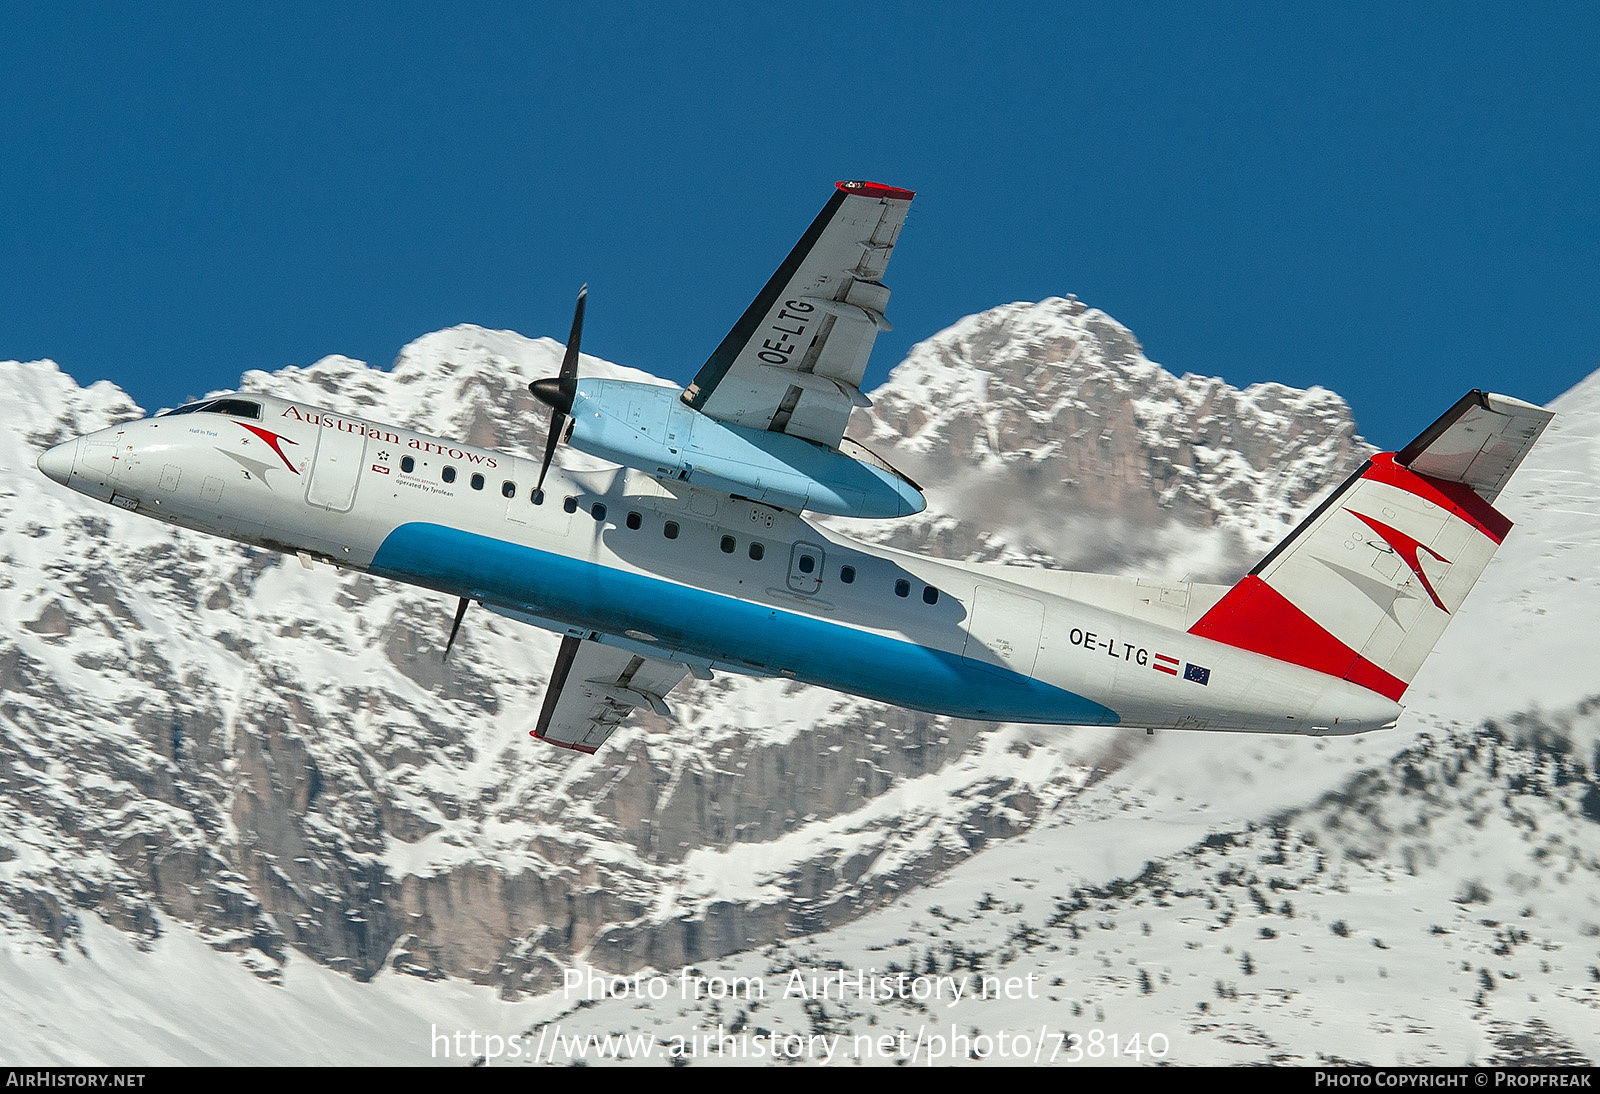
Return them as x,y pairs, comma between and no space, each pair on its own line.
1364,587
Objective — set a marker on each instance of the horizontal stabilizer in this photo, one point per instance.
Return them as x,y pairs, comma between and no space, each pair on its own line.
1479,442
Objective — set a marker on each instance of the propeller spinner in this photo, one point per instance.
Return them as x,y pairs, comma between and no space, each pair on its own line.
557,392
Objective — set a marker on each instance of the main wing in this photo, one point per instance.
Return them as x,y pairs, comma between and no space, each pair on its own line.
594,687
794,361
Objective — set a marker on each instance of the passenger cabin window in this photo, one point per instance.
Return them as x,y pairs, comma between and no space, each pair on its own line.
599,511
570,505
634,520
448,474
670,530
537,497
930,595
807,563
477,482
757,551
902,587
847,574
508,489
407,464
728,545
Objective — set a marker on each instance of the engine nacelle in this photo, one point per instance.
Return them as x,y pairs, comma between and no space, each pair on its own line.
648,427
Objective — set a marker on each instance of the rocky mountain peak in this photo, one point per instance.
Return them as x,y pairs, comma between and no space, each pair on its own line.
1046,421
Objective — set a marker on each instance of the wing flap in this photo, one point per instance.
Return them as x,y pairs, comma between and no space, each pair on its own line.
593,688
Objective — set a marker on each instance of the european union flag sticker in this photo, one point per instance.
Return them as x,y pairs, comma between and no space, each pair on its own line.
1197,674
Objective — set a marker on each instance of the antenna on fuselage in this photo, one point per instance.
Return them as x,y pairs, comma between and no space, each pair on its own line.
557,392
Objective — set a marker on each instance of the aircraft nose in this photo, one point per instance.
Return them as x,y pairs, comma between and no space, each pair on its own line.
57,462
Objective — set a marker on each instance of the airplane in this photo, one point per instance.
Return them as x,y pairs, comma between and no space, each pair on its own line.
693,551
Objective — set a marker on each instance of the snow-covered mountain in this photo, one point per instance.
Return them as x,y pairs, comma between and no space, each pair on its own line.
210,754
1043,434
1427,896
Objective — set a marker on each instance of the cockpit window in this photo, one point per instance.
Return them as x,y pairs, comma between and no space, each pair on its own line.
234,408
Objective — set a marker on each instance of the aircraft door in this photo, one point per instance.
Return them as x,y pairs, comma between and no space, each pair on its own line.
1003,634
336,470
805,567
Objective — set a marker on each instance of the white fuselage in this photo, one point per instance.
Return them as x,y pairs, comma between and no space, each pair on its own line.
677,572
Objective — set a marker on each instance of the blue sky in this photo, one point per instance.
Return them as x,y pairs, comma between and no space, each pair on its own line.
1396,204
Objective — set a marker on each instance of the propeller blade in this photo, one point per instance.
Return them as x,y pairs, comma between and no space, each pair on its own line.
557,392
557,421
461,610
569,363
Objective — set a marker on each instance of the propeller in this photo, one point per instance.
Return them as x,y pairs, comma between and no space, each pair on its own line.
461,610
557,392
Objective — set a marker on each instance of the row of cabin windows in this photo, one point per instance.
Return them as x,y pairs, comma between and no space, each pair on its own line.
806,564
508,489
902,587
757,550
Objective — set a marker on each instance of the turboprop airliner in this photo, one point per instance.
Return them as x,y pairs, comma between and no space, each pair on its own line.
696,550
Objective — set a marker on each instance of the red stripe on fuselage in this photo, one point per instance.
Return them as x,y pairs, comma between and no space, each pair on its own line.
1256,617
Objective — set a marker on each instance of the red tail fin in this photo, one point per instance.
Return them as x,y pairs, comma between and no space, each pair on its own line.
1363,589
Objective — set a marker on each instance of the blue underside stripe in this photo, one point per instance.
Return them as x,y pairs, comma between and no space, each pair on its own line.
722,628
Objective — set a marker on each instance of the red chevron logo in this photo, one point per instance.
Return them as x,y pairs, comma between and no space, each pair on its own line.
1406,548
273,441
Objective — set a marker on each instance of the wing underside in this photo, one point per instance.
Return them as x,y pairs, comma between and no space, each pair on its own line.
794,361
594,687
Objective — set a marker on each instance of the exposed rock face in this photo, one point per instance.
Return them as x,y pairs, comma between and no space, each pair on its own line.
1047,422
279,759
